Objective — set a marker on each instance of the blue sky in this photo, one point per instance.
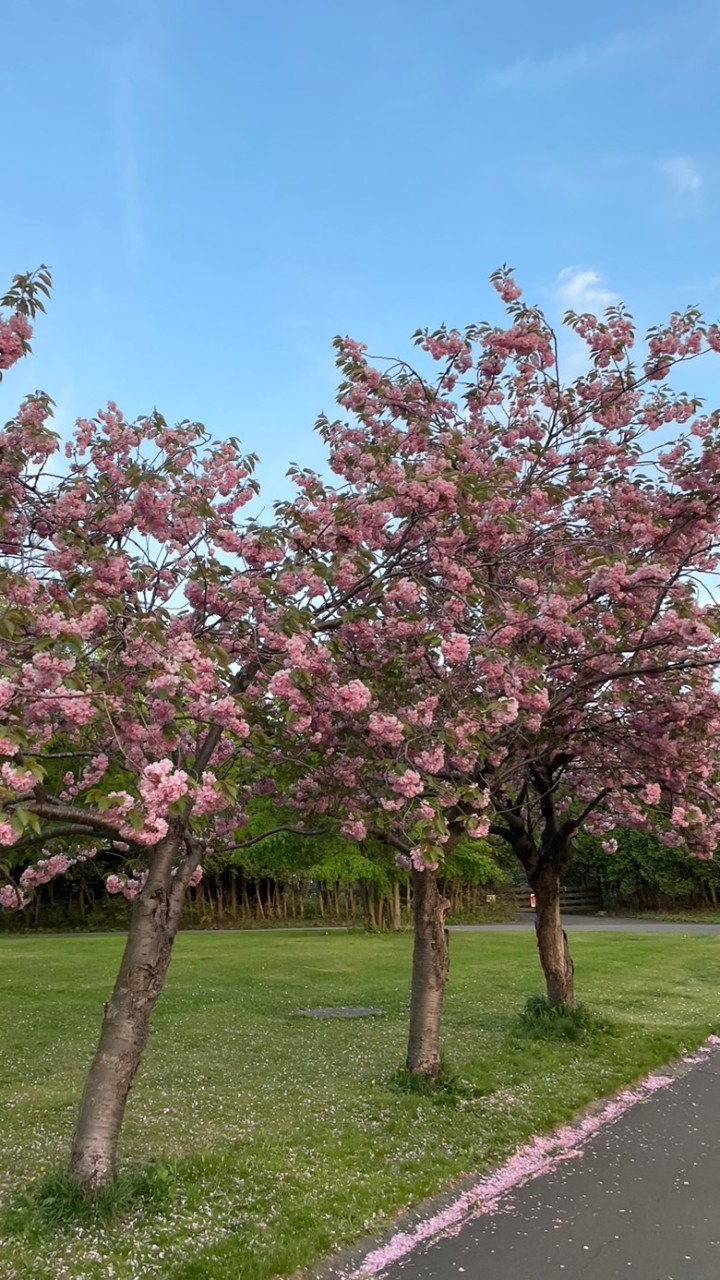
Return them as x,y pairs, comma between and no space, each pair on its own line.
221,187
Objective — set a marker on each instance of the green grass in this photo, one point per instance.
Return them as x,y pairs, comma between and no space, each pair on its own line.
541,1020
677,917
256,1141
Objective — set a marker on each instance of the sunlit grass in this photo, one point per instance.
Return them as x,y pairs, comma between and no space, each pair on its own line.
256,1141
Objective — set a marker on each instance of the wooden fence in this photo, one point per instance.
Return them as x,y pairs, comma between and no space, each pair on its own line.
574,900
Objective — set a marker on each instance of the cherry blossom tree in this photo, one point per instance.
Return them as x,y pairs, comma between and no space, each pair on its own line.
135,626
533,648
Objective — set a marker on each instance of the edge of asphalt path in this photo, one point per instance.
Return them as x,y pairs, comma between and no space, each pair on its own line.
474,1197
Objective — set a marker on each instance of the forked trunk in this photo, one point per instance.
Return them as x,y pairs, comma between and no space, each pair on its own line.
431,965
552,940
126,1023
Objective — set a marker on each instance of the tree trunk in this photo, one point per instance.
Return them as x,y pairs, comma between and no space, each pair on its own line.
258,900
153,926
552,940
369,894
431,965
396,909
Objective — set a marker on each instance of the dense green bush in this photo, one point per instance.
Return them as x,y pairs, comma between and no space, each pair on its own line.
644,873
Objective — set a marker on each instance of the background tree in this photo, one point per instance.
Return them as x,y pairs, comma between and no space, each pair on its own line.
646,874
533,652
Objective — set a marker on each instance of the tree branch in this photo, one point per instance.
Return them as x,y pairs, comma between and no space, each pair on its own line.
388,837
66,829
573,824
205,753
73,814
274,831
504,833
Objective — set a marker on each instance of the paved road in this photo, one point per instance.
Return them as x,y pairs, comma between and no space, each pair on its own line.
585,924
641,1201
593,924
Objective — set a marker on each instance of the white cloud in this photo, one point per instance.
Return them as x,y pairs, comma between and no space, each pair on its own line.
684,176
559,70
583,290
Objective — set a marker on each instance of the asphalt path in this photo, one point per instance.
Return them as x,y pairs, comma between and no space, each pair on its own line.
593,924
525,921
639,1201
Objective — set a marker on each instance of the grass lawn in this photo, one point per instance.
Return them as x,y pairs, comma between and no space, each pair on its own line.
679,917
280,1137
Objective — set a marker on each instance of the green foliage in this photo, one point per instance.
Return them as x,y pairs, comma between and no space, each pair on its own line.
480,862
349,863
26,293
644,872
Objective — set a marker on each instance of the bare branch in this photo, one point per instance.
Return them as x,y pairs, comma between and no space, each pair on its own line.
274,831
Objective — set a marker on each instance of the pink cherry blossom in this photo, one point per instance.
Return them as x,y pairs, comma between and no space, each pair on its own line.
515,559
456,647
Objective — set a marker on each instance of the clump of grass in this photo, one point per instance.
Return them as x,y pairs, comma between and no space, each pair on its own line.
447,1089
56,1203
541,1020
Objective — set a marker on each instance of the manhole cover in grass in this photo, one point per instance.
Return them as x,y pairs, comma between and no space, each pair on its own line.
339,1011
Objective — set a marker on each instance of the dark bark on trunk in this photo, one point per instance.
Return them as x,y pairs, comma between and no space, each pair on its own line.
431,965
153,926
555,958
